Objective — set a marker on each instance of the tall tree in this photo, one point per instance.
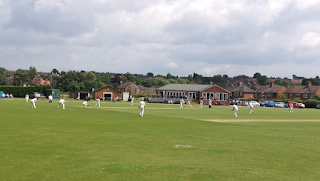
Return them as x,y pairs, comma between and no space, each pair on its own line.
2,76
256,75
32,72
150,74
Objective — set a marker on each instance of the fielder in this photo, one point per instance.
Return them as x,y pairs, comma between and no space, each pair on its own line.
235,110
189,104
181,103
27,98
85,103
97,102
142,105
209,103
250,107
33,102
132,100
201,103
50,99
61,102
291,108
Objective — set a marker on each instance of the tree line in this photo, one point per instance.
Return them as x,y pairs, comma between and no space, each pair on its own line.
72,80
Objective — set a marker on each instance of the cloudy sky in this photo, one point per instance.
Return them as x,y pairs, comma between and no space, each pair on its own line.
209,37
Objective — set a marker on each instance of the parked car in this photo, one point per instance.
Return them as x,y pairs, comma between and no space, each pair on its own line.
2,94
255,103
269,104
296,104
263,103
301,105
279,104
318,106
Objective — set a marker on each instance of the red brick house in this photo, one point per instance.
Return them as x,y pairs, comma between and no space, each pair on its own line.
194,92
269,91
302,92
129,87
40,81
241,92
107,93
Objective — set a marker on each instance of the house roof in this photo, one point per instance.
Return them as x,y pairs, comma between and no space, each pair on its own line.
268,89
128,84
188,87
183,87
105,87
241,88
301,89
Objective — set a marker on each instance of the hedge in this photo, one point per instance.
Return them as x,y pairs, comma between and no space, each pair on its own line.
20,91
311,103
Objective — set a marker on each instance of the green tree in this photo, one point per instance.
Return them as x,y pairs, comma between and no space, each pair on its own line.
21,77
256,75
150,74
169,76
282,97
2,76
55,71
32,72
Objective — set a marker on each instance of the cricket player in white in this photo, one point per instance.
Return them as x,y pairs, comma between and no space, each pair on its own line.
33,102
201,103
50,99
97,102
181,103
27,98
189,104
85,103
250,107
209,103
142,105
235,110
61,102
132,100
291,108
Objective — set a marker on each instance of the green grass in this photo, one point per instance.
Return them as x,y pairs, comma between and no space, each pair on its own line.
168,143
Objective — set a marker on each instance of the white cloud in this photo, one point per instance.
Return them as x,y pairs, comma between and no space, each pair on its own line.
202,36
172,65
311,39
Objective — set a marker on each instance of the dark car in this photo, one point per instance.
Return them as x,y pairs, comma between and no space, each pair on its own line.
318,106
270,104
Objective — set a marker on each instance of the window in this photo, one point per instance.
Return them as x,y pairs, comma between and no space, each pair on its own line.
312,96
261,94
305,96
236,94
255,94
217,97
297,95
268,94
291,95
241,93
286,95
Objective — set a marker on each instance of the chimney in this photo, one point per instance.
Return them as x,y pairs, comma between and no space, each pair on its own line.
309,84
211,83
240,83
271,84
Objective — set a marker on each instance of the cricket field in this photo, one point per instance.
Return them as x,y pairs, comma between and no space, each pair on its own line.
168,143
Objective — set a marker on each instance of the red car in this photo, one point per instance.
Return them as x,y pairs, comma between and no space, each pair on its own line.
296,104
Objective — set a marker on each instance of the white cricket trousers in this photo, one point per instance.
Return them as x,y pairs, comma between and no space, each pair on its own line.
251,110
235,113
97,103
63,107
141,111
33,104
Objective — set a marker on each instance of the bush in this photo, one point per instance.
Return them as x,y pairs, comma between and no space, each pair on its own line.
311,103
20,91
